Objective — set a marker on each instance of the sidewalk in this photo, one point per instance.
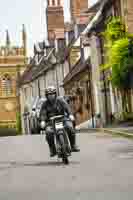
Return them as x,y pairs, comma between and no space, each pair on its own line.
124,129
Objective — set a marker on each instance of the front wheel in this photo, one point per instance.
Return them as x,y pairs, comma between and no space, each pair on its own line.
63,150
65,161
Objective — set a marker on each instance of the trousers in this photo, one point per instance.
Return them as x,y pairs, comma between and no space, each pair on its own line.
68,125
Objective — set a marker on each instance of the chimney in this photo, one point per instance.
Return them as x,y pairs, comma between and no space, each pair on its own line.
78,6
55,19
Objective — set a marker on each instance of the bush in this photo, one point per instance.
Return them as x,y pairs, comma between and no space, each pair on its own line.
128,117
5,131
121,63
119,46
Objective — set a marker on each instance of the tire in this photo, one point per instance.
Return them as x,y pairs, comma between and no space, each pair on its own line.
38,130
63,149
33,132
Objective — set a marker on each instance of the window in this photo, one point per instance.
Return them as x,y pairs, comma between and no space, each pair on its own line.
58,2
53,2
6,86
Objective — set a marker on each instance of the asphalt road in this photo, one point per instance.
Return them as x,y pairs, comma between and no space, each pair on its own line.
102,170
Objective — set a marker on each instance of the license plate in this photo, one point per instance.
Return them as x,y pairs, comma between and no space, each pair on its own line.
59,125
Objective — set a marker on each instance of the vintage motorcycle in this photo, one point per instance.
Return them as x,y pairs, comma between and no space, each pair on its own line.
61,138
62,143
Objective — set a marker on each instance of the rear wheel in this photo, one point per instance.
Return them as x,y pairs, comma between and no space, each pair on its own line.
63,149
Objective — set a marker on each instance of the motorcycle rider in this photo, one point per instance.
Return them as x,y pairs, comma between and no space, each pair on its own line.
56,106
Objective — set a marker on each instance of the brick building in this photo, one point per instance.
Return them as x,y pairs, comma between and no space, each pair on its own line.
55,19
77,6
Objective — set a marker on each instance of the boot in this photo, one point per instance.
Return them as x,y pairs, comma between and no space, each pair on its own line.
74,147
52,147
52,152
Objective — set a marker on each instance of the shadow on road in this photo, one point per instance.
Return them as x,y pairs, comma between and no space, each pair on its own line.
50,163
5,165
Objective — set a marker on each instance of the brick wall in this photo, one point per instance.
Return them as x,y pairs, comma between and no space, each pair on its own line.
77,6
9,65
55,20
8,108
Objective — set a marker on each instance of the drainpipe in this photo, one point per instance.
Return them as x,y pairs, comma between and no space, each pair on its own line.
105,84
91,100
39,90
57,83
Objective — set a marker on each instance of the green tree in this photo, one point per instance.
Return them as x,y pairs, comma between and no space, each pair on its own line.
18,123
119,45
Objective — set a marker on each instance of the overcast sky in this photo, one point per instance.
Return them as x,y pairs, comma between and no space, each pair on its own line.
14,13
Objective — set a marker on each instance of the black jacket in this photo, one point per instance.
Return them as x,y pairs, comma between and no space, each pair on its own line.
60,107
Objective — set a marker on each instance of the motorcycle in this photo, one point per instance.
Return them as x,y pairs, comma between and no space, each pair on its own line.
62,143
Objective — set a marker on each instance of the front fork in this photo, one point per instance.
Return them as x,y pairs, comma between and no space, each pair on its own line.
67,142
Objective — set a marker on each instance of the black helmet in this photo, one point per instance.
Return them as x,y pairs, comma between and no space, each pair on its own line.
50,90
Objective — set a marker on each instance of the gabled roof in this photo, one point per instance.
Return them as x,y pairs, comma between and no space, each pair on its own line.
79,67
95,20
35,70
94,8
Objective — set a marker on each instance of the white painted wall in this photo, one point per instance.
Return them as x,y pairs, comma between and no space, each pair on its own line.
95,62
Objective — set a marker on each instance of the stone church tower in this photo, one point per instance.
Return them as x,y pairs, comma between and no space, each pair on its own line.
12,64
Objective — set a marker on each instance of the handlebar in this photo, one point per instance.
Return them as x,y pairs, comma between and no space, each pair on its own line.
57,117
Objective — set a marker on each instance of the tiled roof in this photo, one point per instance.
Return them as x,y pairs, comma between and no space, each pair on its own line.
34,71
94,8
79,67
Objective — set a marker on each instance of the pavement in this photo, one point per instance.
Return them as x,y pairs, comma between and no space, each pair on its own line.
101,171
123,129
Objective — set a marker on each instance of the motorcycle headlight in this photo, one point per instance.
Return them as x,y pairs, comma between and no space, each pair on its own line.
42,124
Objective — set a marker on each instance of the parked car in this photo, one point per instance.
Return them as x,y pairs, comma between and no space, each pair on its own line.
34,115
67,98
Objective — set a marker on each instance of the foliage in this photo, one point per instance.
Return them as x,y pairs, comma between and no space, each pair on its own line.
121,62
115,30
119,45
128,116
18,123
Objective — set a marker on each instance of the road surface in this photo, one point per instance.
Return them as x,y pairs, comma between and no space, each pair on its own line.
102,170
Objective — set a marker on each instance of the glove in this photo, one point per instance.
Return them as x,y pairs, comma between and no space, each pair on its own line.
43,124
72,118
33,113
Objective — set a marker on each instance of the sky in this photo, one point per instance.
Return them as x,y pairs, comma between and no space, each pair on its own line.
14,13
